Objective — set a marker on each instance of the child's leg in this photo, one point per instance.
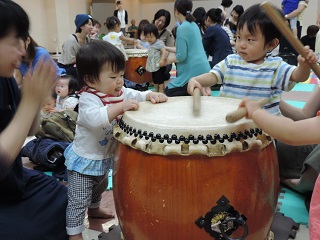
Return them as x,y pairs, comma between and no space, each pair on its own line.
161,87
305,183
99,186
79,198
156,87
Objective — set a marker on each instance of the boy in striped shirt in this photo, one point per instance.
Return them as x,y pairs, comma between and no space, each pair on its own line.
250,73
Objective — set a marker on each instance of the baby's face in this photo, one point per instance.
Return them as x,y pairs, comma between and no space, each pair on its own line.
62,88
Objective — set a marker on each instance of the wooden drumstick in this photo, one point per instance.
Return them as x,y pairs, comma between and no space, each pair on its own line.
283,27
242,112
196,101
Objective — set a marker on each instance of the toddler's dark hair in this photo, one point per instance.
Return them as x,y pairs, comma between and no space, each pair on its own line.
256,18
112,22
151,28
92,58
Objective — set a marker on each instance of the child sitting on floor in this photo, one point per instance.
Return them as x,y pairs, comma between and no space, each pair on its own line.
66,89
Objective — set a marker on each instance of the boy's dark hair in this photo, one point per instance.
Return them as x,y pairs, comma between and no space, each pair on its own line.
111,22
95,22
13,19
312,31
226,3
92,57
256,18
118,3
166,14
142,23
73,83
185,7
215,15
151,28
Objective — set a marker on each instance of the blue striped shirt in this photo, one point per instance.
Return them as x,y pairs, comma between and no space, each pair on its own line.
241,79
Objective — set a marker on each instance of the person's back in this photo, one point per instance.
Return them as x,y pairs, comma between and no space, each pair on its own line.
188,35
216,41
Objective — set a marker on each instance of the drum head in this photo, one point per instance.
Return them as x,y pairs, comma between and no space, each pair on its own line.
137,52
174,123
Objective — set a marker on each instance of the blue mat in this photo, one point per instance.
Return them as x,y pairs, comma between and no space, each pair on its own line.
292,205
298,104
303,87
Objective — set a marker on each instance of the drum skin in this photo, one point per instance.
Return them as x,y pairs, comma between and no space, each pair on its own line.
133,63
159,197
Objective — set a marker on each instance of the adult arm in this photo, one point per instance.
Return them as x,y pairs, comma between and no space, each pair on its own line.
126,16
297,11
33,92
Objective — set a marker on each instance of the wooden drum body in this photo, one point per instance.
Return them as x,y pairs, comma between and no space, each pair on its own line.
136,66
180,176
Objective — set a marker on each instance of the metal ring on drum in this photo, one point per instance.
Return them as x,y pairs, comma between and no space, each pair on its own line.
136,66
183,176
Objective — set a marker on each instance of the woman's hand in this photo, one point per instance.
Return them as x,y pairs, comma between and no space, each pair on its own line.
38,86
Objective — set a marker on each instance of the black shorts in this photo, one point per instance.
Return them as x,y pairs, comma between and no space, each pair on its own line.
160,76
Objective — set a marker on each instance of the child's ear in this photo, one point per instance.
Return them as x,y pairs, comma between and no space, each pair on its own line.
273,44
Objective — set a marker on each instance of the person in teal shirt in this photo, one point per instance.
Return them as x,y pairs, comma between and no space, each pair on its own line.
190,59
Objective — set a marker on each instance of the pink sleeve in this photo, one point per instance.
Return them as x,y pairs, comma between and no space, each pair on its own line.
314,219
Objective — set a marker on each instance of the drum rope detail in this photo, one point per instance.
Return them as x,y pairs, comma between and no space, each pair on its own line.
184,145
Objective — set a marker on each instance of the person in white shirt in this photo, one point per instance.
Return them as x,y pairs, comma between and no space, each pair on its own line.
122,15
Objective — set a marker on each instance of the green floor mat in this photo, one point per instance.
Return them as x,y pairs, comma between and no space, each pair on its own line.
292,204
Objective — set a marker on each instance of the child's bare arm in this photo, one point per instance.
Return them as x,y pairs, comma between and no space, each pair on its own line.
119,108
302,72
156,97
203,82
128,40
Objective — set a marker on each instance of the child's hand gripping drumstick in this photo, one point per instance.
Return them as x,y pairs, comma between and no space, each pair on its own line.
196,102
280,23
242,112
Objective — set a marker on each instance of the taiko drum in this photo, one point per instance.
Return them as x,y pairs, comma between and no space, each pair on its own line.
136,66
180,176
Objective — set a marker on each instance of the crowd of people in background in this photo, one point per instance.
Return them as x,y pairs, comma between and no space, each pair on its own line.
205,46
